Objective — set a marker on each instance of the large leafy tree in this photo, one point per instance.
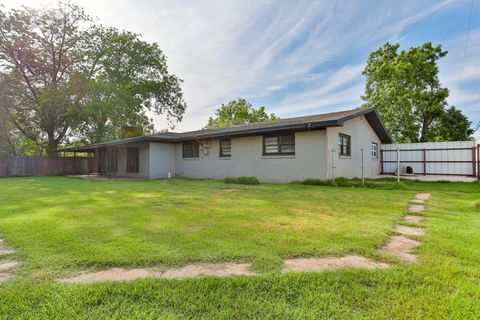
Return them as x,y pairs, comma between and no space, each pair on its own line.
64,77
405,89
238,112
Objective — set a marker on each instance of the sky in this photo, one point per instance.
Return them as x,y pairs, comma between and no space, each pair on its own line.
293,57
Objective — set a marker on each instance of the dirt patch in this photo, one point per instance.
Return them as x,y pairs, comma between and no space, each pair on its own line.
423,196
414,219
416,208
6,276
188,271
199,270
409,231
330,263
6,251
228,190
8,264
402,248
114,274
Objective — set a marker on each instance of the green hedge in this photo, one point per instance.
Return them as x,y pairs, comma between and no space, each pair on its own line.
241,180
356,183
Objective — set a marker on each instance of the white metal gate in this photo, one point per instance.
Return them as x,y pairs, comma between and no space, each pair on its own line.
460,158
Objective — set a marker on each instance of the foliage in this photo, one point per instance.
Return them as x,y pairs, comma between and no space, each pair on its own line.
405,89
238,112
452,126
242,180
357,183
63,76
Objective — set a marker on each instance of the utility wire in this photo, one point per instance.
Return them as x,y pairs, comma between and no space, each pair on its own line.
466,40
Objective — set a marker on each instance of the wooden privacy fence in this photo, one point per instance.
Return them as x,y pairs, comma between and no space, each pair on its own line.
461,158
44,166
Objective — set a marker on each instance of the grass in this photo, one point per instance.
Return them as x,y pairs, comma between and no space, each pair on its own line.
61,225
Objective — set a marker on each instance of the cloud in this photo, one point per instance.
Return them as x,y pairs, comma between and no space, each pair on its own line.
293,56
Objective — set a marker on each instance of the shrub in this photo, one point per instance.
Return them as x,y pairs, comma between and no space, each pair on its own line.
241,180
317,182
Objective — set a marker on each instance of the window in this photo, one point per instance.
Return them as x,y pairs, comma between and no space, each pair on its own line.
132,160
344,144
374,150
190,149
225,148
279,145
107,160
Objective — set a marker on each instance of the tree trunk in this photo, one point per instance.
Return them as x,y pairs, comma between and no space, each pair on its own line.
52,145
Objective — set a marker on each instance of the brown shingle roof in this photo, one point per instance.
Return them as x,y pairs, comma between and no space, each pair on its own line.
312,122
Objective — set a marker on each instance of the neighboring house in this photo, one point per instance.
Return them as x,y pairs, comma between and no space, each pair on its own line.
282,150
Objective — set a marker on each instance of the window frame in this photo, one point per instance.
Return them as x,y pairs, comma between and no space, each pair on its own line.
374,149
136,168
221,151
340,145
194,155
279,144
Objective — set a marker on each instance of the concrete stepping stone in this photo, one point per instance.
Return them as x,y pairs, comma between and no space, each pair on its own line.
414,219
330,263
202,270
402,248
8,264
422,196
6,276
417,208
7,251
114,274
409,231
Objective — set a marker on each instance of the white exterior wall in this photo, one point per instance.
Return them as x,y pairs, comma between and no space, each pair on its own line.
309,161
162,160
410,157
362,135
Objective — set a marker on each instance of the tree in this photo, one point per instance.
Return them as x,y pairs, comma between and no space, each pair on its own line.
452,126
60,72
405,89
238,112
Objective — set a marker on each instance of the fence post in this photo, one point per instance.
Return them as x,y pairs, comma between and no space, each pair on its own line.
398,164
424,162
474,162
478,161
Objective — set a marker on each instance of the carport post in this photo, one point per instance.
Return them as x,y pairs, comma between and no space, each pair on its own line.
398,164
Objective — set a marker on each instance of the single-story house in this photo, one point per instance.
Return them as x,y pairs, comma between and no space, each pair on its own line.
293,149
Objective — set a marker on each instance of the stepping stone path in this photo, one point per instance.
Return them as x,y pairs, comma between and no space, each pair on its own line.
330,263
413,219
7,267
401,246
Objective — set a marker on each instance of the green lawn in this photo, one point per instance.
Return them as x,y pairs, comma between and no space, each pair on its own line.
60,226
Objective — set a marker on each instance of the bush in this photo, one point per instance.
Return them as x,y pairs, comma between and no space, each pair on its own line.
317,182
242,180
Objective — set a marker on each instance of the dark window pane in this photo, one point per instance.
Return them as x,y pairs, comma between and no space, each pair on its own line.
279,145
190,149
344,145
133,160
225,148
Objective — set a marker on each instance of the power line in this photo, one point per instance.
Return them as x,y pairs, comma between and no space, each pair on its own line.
466,40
